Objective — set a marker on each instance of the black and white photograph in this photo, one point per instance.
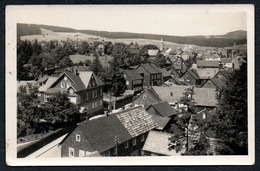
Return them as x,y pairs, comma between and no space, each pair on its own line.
129,85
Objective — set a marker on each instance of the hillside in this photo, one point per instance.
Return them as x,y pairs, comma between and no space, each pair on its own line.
208,41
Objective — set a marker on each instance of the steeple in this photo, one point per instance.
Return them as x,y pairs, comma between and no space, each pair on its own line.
162,45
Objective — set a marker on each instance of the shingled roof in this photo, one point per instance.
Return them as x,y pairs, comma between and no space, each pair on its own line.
126,125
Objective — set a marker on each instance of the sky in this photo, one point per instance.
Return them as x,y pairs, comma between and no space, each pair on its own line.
167,20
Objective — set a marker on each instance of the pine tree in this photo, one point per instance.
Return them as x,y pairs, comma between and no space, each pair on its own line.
96,66
231,121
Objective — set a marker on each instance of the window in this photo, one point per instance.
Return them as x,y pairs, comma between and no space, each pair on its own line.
126,144
93,105
204,115
127,82
78,137
87,95
68,84
114,150
142,137
65,78
71,91
81,153
101,102
71,152
46,98
62,85
107,153
144,97
134,141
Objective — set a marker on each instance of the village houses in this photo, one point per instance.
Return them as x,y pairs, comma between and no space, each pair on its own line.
119,134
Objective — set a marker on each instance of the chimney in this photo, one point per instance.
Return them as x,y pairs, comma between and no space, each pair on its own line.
76,71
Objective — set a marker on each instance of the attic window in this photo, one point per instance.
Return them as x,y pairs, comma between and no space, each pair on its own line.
142,137
78,137
144,97
204,116
65,78
62,85
71,91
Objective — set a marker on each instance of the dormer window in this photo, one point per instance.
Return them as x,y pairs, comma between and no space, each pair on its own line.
71,91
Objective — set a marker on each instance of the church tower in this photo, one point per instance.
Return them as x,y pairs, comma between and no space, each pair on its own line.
162,45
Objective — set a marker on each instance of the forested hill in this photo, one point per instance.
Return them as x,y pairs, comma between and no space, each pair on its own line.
240,37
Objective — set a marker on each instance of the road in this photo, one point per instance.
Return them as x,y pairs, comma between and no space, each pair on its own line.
49,150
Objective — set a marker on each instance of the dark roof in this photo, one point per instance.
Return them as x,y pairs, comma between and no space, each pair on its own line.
133,74
165,73
194,74
151,68
217,82
126,125
101,132
78,84
226,74
160,121
98,80
164,109
42,79
207,64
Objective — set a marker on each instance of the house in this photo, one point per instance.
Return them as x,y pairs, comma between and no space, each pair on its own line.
207,69
157,144
191,77
119,134
153,52
152,74
101,46
226,63
212,57
147,98
215,83
205,115
179,64
165,74
161,113
83,88
134,81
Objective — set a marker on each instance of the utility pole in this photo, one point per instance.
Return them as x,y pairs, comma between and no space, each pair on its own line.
116,143
77,35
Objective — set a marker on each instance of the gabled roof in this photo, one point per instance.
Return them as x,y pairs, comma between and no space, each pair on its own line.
80,81
174,93
42,79
194,74
207,64
206,73
165,73
217,82
133,74
164,109
151,68
127,124
160,121
48,84
158,142
226,74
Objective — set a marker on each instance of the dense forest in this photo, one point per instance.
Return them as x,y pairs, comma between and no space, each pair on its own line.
211,41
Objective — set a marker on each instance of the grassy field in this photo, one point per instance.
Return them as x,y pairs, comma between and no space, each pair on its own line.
103,59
